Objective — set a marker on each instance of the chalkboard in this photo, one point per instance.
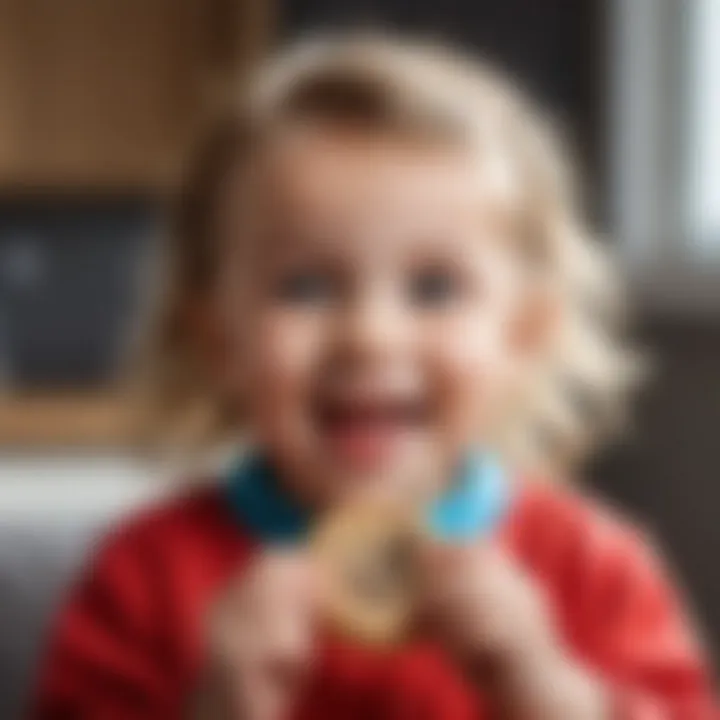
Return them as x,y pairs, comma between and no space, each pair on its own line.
68,272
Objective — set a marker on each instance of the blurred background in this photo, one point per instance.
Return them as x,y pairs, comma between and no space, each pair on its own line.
99,100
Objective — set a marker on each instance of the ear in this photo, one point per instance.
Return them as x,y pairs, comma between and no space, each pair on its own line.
536,322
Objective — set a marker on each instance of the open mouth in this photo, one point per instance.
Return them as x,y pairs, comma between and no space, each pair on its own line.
369,429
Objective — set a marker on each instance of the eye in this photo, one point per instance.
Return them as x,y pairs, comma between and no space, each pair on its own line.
307,287
435,286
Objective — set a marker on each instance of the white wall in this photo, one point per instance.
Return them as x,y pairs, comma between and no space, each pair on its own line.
72,486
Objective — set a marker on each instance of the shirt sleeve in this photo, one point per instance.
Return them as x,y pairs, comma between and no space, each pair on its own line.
631,628
106,657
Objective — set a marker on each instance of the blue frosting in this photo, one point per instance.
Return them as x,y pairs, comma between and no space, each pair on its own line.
472,506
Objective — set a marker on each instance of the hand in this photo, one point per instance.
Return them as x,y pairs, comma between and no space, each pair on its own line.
482,605
260,641
493,618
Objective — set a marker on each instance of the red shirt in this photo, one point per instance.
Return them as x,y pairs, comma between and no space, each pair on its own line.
129,642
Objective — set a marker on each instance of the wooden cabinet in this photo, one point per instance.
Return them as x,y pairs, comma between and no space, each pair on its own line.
75,420
102,97
103,94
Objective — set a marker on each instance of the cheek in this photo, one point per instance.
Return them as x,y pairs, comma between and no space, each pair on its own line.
471,363
285,352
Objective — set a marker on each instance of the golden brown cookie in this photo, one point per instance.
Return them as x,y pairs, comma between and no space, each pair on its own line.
367,555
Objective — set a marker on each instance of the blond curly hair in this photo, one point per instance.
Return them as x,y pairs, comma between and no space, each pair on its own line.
575,399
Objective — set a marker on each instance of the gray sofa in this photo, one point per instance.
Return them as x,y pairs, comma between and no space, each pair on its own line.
49,518
36,567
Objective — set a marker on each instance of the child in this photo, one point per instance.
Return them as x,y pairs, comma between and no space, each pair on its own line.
380,274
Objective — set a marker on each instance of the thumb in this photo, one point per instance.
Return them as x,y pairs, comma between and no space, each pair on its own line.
291,574
263,696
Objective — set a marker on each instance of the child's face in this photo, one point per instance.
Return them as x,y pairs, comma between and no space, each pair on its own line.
371,301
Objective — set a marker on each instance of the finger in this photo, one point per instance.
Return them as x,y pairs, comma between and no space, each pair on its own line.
260,697
289,672
247,612
452,573
292,588
281,566
288,571
435,557
439,564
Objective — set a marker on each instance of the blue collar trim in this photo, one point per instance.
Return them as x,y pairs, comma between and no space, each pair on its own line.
261,505
473,506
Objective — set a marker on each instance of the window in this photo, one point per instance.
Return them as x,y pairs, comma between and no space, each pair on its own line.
665,148
703,137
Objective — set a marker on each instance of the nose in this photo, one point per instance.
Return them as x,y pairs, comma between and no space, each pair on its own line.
373,328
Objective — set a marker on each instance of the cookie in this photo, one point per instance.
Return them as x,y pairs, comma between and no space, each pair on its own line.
367,554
